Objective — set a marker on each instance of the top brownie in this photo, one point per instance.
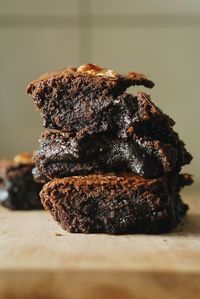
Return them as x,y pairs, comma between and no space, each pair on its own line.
78,99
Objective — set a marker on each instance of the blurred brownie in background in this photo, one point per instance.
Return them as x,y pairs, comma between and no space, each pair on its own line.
18,190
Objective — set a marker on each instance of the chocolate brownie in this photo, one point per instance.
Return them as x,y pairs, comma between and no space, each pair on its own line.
116,204
76,99
18,190
63,155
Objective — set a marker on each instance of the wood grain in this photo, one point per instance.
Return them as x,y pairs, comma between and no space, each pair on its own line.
39,260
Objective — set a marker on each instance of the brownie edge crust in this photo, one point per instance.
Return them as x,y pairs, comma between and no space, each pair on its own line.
116,204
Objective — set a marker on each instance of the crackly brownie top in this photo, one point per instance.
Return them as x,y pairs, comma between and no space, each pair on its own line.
127,180
91,70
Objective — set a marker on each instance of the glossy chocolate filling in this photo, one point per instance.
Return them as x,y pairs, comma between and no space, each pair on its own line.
60,155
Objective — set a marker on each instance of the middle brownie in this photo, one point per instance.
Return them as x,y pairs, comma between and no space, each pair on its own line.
61,154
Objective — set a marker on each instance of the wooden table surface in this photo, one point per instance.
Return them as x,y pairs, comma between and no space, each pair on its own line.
39,260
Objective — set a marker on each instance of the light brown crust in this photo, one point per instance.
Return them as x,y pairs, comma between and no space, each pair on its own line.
128,180
125,180
92,70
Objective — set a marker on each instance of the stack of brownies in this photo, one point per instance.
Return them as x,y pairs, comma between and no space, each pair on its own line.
111,160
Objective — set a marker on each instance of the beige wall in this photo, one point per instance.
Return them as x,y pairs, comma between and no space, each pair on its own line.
159,38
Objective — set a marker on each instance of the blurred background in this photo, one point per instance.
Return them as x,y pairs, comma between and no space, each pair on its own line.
158,38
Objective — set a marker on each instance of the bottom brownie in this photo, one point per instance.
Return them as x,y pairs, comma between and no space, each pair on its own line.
18,190
116,204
